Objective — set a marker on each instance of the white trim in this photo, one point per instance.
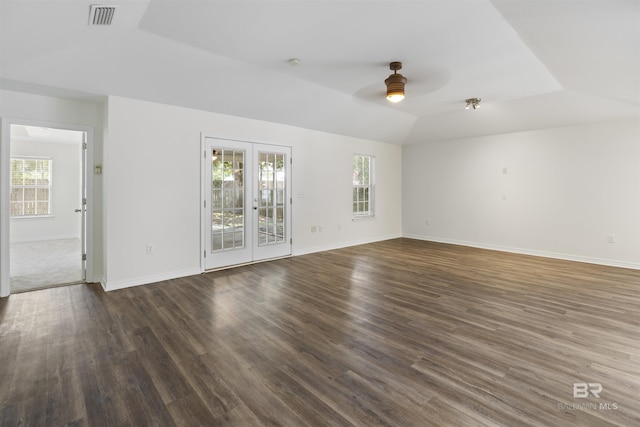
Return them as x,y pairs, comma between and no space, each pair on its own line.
28,217
129,283
203,211
48,187
36,239
371,186
543,254
364,218
5,174
255,253
342,245
5,154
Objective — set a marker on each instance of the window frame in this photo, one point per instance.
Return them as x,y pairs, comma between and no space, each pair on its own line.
369,187
49,187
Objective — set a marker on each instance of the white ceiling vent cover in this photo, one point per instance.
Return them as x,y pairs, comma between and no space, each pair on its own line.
101,14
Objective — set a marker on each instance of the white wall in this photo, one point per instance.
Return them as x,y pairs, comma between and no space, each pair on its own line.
152,187
66,193
53,110
565,191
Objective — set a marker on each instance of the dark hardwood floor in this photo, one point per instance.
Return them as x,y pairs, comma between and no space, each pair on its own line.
396,333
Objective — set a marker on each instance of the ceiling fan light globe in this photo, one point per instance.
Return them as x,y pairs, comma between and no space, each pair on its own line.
395,97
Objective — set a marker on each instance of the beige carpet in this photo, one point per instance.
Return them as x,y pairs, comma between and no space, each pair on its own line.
42,264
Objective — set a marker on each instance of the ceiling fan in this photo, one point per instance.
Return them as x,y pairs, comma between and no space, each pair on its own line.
419,82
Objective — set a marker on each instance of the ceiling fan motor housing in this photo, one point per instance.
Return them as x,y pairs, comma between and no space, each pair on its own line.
395,83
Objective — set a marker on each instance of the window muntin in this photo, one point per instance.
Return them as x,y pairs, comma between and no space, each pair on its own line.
363,186
272,200
30,187
227,199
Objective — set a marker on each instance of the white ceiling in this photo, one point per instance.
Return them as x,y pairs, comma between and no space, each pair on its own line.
48,135
534,63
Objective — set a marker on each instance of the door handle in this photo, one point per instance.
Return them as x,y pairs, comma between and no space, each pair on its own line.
78,210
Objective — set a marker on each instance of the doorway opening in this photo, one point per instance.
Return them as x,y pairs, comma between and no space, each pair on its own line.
47,207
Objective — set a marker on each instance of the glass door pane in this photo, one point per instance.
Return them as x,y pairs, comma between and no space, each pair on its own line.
271,203
228,205
227,199
272,199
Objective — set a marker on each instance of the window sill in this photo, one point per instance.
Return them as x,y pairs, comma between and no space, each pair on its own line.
21,218
363,218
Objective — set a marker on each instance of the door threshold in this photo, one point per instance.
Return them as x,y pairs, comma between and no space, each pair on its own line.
41,288
227,267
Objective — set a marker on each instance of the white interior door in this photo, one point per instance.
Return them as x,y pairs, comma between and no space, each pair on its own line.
83,203
246,202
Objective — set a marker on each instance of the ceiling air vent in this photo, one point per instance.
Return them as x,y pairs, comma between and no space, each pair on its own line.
101,15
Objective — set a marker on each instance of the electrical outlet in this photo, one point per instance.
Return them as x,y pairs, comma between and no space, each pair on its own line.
427,222
149,249
611,238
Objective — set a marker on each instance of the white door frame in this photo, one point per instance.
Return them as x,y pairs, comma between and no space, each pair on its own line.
205,223
5,166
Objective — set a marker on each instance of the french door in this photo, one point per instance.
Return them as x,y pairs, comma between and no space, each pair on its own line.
246,202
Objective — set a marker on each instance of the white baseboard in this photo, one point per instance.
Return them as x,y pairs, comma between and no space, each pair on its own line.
129,283
341,245
543,254
99,280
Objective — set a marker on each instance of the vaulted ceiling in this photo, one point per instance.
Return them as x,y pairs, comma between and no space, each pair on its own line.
535,63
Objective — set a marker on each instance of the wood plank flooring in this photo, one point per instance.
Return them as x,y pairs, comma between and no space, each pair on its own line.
395,333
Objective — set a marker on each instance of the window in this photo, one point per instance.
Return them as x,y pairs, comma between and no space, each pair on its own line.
30,187
363,189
